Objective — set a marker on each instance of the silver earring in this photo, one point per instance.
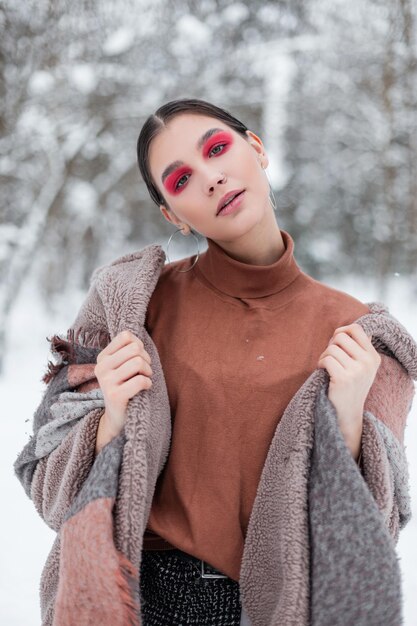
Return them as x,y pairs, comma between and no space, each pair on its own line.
198,249
271,193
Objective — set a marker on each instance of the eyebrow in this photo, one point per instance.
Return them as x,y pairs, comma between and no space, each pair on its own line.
173,166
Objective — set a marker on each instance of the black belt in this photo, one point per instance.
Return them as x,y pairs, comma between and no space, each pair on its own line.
207,570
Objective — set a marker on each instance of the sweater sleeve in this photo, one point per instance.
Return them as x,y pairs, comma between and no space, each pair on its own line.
383,461
57,459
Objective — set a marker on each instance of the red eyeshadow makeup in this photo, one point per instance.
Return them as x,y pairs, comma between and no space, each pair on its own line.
219,138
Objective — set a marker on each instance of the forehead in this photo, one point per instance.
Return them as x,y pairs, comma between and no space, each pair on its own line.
179,139
192,123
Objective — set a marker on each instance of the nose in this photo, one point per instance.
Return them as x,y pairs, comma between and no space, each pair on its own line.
214,178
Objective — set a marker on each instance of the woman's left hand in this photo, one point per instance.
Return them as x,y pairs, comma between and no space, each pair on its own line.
352,363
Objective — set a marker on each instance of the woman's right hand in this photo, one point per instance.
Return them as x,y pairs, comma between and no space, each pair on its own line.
122,370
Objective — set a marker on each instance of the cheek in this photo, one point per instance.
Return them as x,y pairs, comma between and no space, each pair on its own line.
257,177
253,167
191,209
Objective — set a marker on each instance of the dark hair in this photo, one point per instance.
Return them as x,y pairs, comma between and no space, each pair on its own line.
156,122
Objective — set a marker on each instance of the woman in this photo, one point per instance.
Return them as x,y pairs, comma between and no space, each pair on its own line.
232,330
219,158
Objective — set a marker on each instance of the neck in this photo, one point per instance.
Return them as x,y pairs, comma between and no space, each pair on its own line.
240,279
263,245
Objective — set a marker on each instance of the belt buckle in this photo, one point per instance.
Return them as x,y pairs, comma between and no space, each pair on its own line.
206,575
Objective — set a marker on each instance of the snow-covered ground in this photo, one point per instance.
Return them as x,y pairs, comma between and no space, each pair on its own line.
25,538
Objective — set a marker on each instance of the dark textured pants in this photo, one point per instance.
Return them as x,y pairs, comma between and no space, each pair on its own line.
173,593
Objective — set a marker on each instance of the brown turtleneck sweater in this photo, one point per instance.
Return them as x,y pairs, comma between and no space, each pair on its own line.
236,342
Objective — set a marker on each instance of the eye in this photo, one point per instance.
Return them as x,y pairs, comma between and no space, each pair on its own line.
177,186
219,145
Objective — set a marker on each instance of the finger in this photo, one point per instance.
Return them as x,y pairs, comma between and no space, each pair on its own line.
356,332
131,368
122,339
349,345
338,354
131,350
131,386
332,365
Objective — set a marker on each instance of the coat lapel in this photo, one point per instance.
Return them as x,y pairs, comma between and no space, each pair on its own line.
125,288
315,532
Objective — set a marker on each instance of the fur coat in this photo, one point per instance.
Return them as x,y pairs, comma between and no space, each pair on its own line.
320,544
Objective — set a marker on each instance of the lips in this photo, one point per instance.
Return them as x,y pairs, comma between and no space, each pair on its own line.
226,197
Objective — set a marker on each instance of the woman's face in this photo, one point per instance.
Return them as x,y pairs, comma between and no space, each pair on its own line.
193,172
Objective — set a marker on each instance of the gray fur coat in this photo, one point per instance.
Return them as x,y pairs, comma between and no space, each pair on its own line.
320,545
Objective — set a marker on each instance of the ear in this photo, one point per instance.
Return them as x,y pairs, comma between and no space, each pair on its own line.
169,215
258,146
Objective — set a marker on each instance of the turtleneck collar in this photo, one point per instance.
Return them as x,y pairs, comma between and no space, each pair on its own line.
245,280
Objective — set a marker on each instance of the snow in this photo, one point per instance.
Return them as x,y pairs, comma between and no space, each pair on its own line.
25,538
120,41
192,31
34,120
235,13
325,247
281,71
9,237
84,77
81,200
40,82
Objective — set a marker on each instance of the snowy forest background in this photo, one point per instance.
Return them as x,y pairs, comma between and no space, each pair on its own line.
329,86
